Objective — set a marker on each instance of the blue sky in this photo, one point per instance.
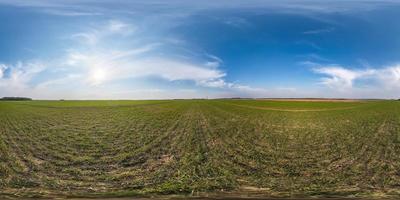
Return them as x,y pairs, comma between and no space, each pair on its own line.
86,49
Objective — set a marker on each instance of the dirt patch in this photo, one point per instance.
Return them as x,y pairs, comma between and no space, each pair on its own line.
153,164
312,99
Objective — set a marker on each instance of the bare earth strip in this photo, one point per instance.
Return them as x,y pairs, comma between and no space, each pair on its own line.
292,110
313,100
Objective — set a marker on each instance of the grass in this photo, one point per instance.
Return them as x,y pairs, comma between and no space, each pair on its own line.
139,148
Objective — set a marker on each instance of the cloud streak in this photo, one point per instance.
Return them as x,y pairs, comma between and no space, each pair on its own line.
110,28
107,65
74,8
130,64
372,82
319,31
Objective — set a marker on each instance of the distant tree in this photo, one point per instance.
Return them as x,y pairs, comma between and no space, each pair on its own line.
15,99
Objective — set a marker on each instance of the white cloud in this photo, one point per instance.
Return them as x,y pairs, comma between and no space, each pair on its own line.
129,64
366,83
117,26
106,65
215,61
339,77
70,13
248,89
101,66
112,65
213,83
212,64
2,69
101,31
19,76
90,38
389,77
309,63
236,22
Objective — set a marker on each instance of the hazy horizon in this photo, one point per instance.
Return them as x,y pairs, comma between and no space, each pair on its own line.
84,49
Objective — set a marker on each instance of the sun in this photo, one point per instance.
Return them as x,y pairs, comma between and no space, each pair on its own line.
98,76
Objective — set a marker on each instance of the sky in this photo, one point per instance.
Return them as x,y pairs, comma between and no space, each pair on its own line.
157,49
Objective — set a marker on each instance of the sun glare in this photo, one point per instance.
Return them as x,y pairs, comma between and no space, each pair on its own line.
98,76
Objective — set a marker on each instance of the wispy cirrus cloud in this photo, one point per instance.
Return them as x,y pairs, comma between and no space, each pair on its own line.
129,64
340,77
304,7
78,8
106,65
309,43
383,81
70,13
319,31
109,28
16,78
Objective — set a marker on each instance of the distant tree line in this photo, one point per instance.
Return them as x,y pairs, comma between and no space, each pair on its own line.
15,99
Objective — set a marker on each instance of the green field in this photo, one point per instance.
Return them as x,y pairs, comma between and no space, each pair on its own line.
197,147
